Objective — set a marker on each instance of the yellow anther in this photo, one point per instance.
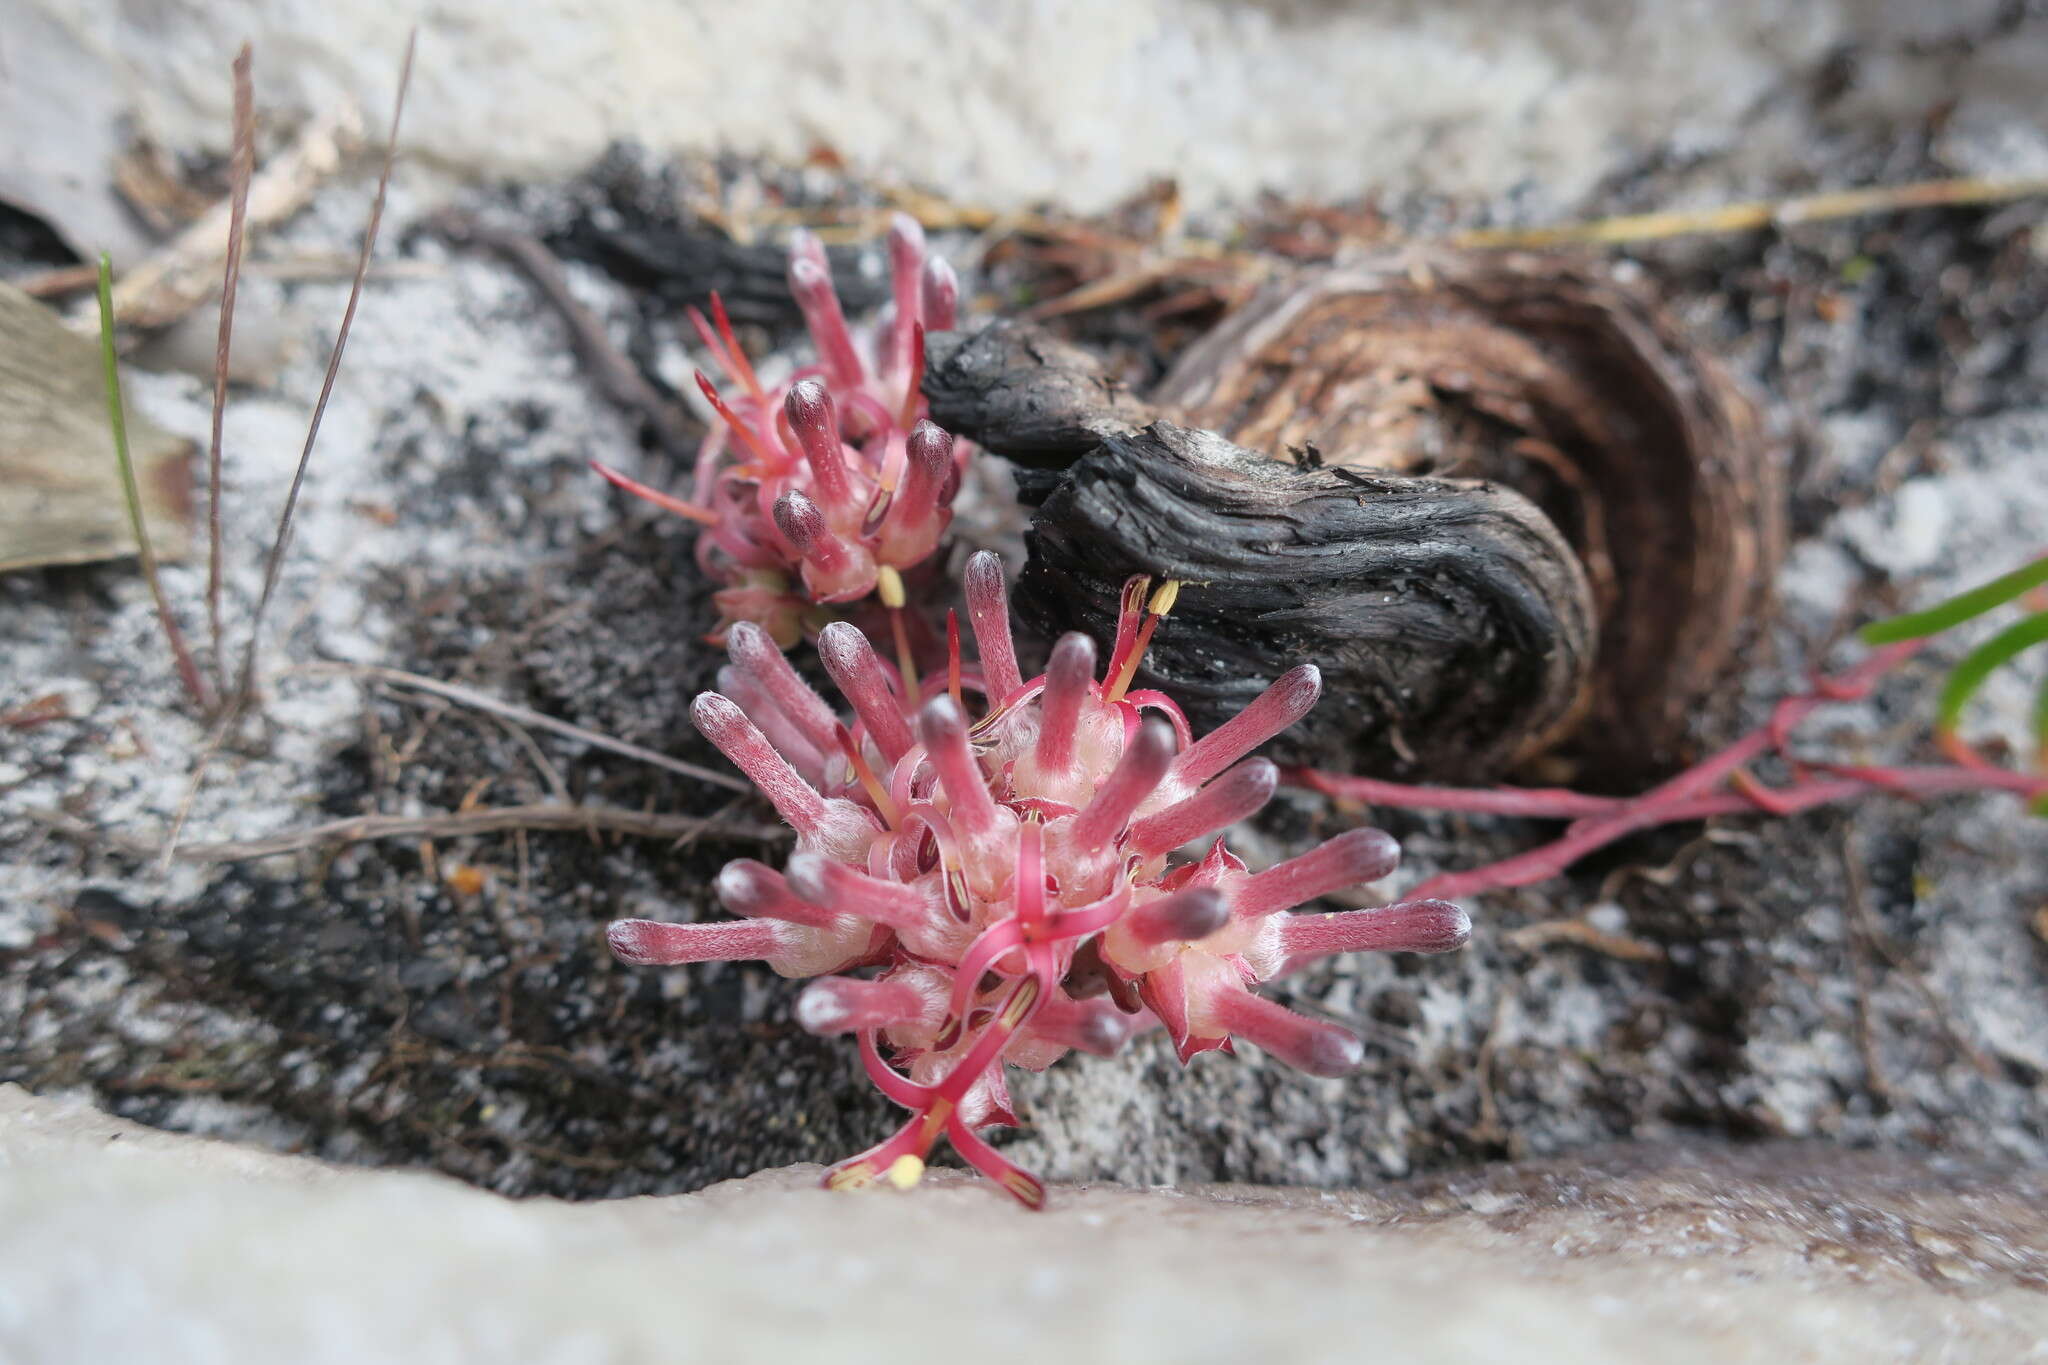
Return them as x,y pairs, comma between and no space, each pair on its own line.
905,1171
1163,597
889,584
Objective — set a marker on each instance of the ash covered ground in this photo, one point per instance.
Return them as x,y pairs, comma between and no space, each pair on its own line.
1876,976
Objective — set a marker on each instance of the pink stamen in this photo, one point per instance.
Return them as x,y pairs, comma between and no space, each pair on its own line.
1144,764
810,281
1130,610
864,772
988,611
717,348
1273,710
656,943
854,667
900,1089
815,423
941,291
822,881
748,380
1028,887
1068,676
845,1004
769,458
1351,859
1425,926
1305,1044
1230,798
757,891
989,947
756,654
1026,1188
1184,916
702,515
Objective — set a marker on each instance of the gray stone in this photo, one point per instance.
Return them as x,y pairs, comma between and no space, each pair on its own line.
119,1242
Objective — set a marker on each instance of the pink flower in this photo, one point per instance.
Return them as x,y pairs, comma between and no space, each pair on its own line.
1014,879
817,491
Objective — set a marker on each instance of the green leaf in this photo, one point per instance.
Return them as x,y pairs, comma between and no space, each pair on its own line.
1977,665
1920,624
2041,724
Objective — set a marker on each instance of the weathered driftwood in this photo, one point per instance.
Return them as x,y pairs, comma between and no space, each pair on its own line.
60,489
1397,403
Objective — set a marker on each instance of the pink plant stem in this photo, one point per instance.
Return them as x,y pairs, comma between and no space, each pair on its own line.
1535,802
822,881
1552,859
1690,795
742,742
944,731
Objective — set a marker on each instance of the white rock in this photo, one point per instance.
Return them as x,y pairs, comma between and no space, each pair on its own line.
122,1243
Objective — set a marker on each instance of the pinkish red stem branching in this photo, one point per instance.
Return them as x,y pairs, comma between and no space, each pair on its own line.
1718,785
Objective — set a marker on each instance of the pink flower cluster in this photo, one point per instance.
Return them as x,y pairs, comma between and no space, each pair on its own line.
1010,882
822,489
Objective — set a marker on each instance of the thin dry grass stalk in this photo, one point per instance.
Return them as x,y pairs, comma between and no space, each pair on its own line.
241,168
275,563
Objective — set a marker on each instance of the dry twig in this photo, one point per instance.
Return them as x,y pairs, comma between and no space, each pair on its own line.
480,701
490,820
291,502
182,276
1809,208
241,167
618,378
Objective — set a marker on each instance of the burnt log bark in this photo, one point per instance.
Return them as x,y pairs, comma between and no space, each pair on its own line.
1474,468
1450,619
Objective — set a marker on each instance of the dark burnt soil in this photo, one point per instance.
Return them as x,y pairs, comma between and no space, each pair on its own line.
364,1004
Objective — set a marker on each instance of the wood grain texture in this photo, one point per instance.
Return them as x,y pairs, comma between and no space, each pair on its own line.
60,489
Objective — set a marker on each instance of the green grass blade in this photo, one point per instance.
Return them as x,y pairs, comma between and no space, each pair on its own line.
117,421
1958,609
1977,665
2041,726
